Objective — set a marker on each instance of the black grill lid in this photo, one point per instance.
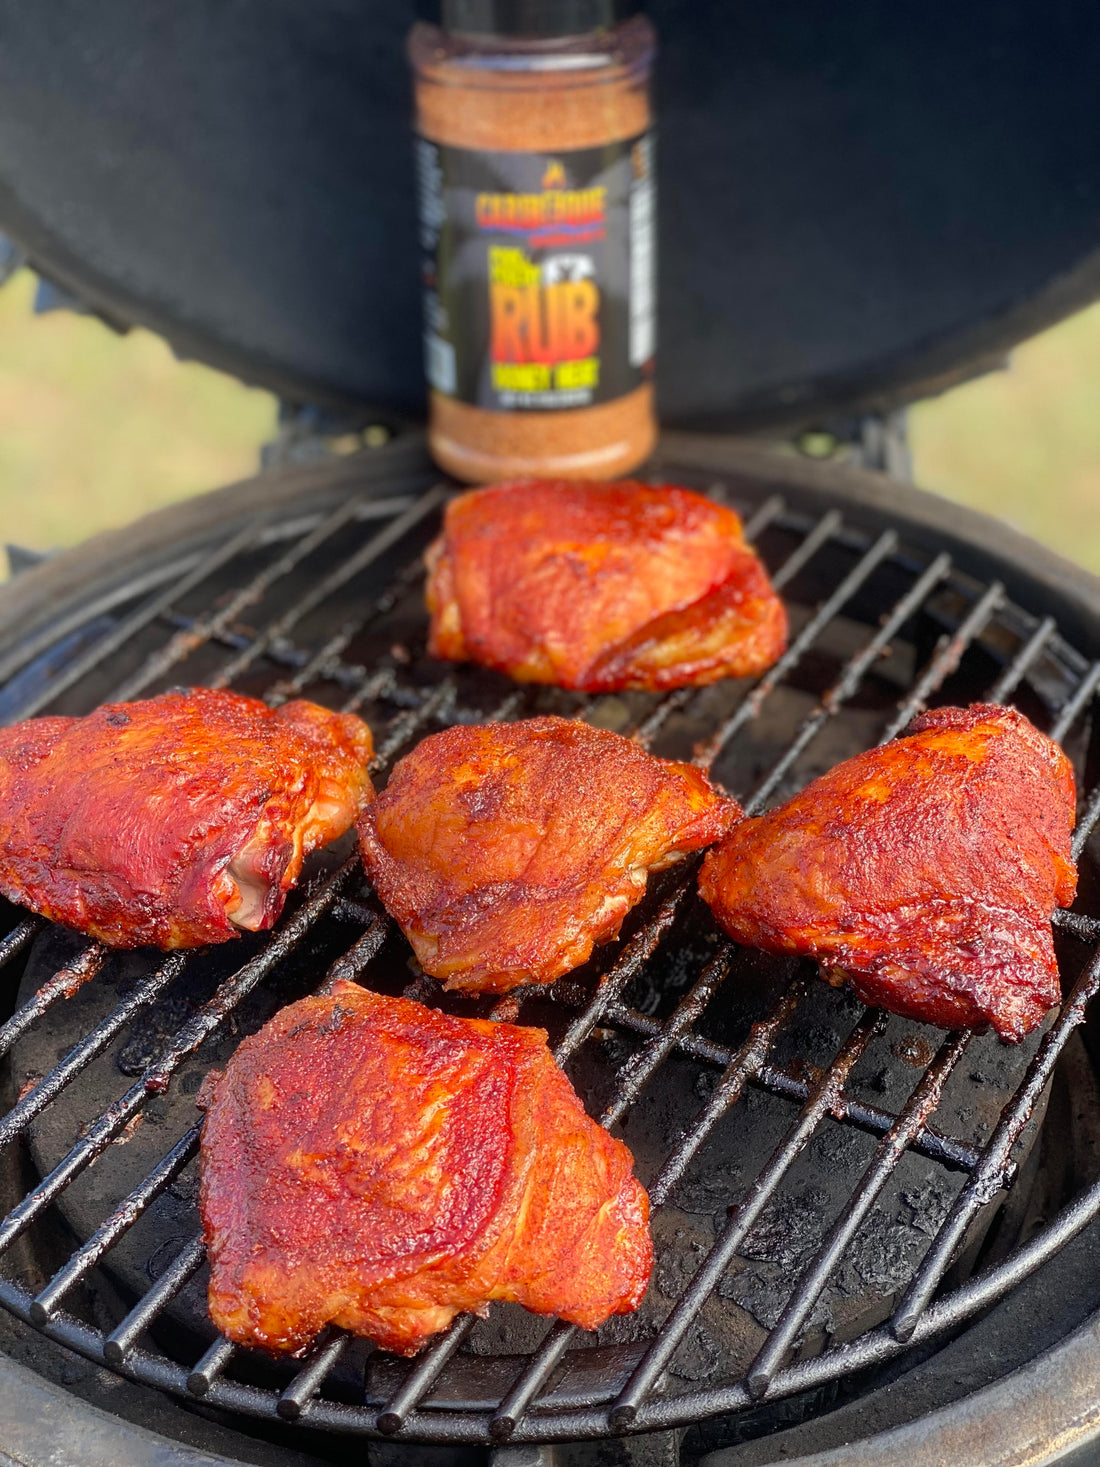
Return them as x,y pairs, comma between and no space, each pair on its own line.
860,201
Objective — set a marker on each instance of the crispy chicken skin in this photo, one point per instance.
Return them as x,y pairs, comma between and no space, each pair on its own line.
177,820
381,1166
508,851
925,871
600,587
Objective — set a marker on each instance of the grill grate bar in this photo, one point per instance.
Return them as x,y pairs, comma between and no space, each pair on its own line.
530,1381
505,1420
1089,816
406,724
742,1067
351,962
149,610
63,984
742,1219
20,937
1085,929
50,1086
1024,660
91,1145
305,1385
637,952
750,707
629,1083
210,1366
423,1375
184,1042
208,625
889,1152
960,1306
191,1035
986,1179
744,1064
761,518
823,531
112,1228
851,677
365,556
174,1278
327,656
948,655
958,1155
348,909
361,953
380,684
1084,693
634,1074
672,702
283,654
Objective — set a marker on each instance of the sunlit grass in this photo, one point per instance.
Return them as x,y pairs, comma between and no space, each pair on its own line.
97,429
1025,444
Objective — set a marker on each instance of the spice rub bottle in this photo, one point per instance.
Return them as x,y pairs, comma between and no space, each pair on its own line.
537,226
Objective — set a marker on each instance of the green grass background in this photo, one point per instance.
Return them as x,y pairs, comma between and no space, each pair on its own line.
96,429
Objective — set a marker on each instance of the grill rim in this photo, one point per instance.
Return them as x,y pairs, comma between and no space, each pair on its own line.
759,467
976,1430
40,599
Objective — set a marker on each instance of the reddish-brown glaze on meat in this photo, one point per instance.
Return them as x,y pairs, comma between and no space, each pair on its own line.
508,851
925,872
177,820
601,587
373,1164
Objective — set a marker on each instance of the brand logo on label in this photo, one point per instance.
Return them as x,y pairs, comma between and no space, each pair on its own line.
556,216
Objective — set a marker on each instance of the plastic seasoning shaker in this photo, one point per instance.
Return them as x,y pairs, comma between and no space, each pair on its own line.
537,227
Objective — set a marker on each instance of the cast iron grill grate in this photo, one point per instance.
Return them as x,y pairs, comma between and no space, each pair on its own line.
328,605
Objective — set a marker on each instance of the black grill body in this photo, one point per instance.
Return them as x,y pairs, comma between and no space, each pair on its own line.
841,1195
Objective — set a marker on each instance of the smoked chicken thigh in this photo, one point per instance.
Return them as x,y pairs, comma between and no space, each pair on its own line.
924,873
174,821
600,587
508,851
374,1164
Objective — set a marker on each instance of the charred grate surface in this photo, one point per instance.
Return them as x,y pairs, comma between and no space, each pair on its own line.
823,1176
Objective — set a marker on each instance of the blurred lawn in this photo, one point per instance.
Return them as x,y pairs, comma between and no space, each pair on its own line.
96,429
1025,444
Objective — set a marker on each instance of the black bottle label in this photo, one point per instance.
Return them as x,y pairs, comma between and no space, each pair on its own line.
538,271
